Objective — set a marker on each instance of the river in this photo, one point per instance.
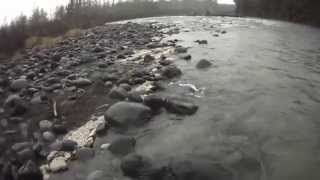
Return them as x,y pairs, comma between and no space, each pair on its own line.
259,108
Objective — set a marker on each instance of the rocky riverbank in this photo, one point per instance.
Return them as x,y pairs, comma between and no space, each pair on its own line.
56,101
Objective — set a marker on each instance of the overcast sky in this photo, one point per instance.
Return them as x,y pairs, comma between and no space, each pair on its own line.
13,8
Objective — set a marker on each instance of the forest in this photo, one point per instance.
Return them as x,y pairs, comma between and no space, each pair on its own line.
81,14
302,11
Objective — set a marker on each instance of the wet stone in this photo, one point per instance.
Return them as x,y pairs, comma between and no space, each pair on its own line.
171,72
124,114
4,123
48,136
19,84
69,145
202,41
58,164
118,93
81,82
26,154
180,107
180,49
59,129
148,58
84,153
45,125
203,63
186,57
122,145
133,165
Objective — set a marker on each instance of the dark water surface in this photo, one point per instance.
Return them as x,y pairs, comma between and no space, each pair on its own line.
260,106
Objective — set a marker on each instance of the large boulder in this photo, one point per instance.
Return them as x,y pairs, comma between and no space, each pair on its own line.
122,145
125,114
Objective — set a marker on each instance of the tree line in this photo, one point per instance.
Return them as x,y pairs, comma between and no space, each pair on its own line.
304,11
80,14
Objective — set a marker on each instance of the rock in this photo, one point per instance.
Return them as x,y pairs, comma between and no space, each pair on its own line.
59,129
19,84
26,154
12,100
84,153
58,164
179,107
81,82
105,146
148,58
223,32
24,129
122,145
135,97
171,72
108,84
48,136
4,123
203,63
186,57
101,125
124,114
180,49
165,62
202,41
95,175
134,165
69,145
17,105
29,171
154,102
125,86
21,145
45,125
118,93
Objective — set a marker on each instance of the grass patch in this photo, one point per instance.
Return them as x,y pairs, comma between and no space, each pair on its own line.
47,42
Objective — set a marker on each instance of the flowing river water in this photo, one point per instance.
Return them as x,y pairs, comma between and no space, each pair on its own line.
259,104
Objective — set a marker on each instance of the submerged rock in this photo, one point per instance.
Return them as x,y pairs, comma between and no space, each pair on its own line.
122,145
180,49
133,165
84,153
179,107
171,72
124,114
203,63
